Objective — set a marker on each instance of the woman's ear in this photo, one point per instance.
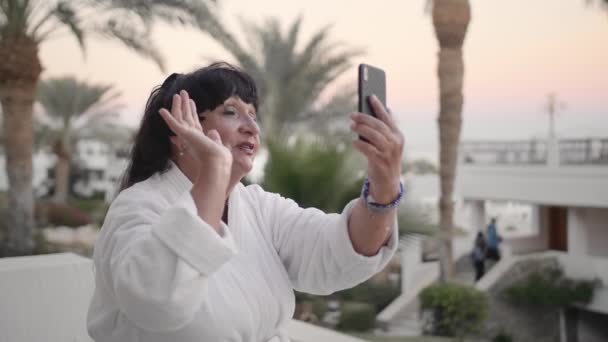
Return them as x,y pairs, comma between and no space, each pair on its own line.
176,141
179,145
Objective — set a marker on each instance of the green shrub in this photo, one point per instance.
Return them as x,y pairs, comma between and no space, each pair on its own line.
355,316
301,296
58,214
96,208
550,288
312,174
42,246
380,295
453,309
319,307
503,337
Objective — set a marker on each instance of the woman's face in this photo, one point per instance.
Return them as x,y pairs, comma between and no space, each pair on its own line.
237,125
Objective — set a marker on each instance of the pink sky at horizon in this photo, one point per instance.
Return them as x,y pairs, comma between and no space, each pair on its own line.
516,52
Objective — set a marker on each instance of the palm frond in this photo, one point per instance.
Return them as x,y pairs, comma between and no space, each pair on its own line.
67,99
114,135
67,15
194,13
44,134
293,34
291,78
14,18
127,21
312,173
136,39
45,15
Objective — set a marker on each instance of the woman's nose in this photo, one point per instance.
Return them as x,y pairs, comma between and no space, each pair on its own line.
250,126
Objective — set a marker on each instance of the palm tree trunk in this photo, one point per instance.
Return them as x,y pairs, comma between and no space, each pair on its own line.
17,104
62,168
450,19
19,73
62,177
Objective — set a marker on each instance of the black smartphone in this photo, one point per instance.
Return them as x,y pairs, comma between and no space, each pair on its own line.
372,81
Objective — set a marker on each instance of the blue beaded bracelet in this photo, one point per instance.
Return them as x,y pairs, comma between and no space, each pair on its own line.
378,207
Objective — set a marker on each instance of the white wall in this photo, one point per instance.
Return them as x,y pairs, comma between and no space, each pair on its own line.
42,161
588,232
597,231
565,186
46,298
587,243
94,154
477,215
535,242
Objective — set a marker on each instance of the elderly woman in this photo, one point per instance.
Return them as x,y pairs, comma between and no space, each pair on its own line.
188,253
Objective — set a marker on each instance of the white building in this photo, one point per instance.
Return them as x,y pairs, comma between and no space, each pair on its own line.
550,198
42,162
565,184
99,167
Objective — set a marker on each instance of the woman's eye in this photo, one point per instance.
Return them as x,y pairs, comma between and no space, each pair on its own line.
229,112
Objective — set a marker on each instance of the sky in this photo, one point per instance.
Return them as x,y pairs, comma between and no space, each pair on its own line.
516,52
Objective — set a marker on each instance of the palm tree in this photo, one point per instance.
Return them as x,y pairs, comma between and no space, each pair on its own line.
450,19
290,79
73,108
324,175
602,2
24,25
313,173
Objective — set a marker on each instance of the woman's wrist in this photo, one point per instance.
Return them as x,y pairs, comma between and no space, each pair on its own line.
388,201
384,192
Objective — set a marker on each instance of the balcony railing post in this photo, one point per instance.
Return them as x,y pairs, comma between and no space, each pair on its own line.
553,152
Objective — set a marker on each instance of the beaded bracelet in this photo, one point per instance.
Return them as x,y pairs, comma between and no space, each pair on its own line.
379,207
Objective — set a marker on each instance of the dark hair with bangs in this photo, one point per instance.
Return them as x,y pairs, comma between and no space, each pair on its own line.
208,87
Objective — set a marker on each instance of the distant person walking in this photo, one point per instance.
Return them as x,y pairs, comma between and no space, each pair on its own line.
479,256
494,241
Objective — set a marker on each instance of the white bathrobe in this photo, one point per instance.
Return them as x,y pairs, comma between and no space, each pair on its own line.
165,275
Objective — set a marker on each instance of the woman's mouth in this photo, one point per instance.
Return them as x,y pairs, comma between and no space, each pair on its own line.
246,147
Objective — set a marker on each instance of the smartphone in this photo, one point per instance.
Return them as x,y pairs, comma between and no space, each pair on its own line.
372,81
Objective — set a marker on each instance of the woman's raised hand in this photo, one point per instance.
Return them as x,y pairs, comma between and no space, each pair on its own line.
183,120
383,151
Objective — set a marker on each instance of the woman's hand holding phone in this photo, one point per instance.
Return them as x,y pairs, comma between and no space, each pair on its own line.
383,150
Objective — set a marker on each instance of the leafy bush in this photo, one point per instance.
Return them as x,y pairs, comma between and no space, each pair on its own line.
356,316
503,337
58,214
319,307
453,309
42,246
312,174
301,296
380,295
96,208
550,288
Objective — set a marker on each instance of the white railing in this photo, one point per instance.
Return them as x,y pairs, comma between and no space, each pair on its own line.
571,152
46,298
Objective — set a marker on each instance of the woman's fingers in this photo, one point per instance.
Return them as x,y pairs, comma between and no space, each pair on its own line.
186,107
170,120
374,137
371,121
176,107
369,151
215,136
195,118
382,112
